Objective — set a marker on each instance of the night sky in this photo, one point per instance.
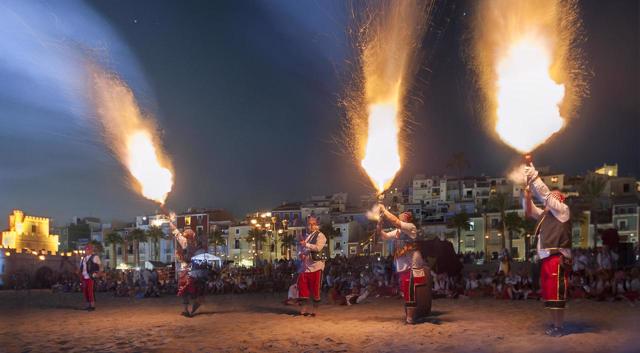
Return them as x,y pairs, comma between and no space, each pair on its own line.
246,94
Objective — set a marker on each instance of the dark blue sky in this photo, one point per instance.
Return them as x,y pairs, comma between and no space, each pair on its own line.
247,93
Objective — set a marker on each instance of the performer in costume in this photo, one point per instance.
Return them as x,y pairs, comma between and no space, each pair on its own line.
408,261
191,283
312,267
89,269
553,242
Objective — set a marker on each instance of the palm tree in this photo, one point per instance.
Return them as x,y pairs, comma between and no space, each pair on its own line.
125,248
458,163
591,189
513,224
216,239
113,238
155,234
461,222
330,233
256,236
501,202
288,241
137,235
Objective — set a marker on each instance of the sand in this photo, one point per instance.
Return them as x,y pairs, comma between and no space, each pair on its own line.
41,321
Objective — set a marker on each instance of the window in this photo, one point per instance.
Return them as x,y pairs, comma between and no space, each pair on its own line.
338,246
554,179
622,224
187,220
494,223
273,247
199,230
352,250
626,188
236,244
237,231
33,229
472,225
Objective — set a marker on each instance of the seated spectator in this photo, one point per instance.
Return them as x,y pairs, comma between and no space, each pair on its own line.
292,295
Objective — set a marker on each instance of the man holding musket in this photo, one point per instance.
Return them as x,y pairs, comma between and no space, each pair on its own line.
408,261
190,281
553,243
90,267
310,277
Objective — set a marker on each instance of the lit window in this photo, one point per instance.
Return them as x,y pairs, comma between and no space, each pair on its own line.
554,179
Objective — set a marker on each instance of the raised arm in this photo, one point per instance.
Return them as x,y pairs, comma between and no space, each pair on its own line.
391,217
558,208
530,209
394,234
181,239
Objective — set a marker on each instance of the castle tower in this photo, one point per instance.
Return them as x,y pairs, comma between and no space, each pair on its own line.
29,232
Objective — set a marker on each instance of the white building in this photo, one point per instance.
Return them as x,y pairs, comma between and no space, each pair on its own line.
428,189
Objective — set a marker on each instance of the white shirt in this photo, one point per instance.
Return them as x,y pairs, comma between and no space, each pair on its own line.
182,241
559,210
309,265
472,284
411,259
83,265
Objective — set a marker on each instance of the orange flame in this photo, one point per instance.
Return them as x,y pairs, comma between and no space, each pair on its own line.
528,100
143,163
131,136
382,158
523,54
388,46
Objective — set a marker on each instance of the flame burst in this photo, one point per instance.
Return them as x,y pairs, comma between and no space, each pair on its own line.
131,136
382,157
525,56
388,36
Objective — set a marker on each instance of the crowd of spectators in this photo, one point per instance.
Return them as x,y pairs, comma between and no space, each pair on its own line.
595,275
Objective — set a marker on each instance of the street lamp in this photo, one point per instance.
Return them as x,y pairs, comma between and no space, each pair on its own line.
285,228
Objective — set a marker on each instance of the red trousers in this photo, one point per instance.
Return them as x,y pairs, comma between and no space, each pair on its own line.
309,284
87,290
408,285
554,281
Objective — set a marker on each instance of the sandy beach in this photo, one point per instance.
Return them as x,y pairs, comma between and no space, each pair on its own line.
41,321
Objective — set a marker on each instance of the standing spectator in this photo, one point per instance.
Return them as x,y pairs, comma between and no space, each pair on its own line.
505,262
604,259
